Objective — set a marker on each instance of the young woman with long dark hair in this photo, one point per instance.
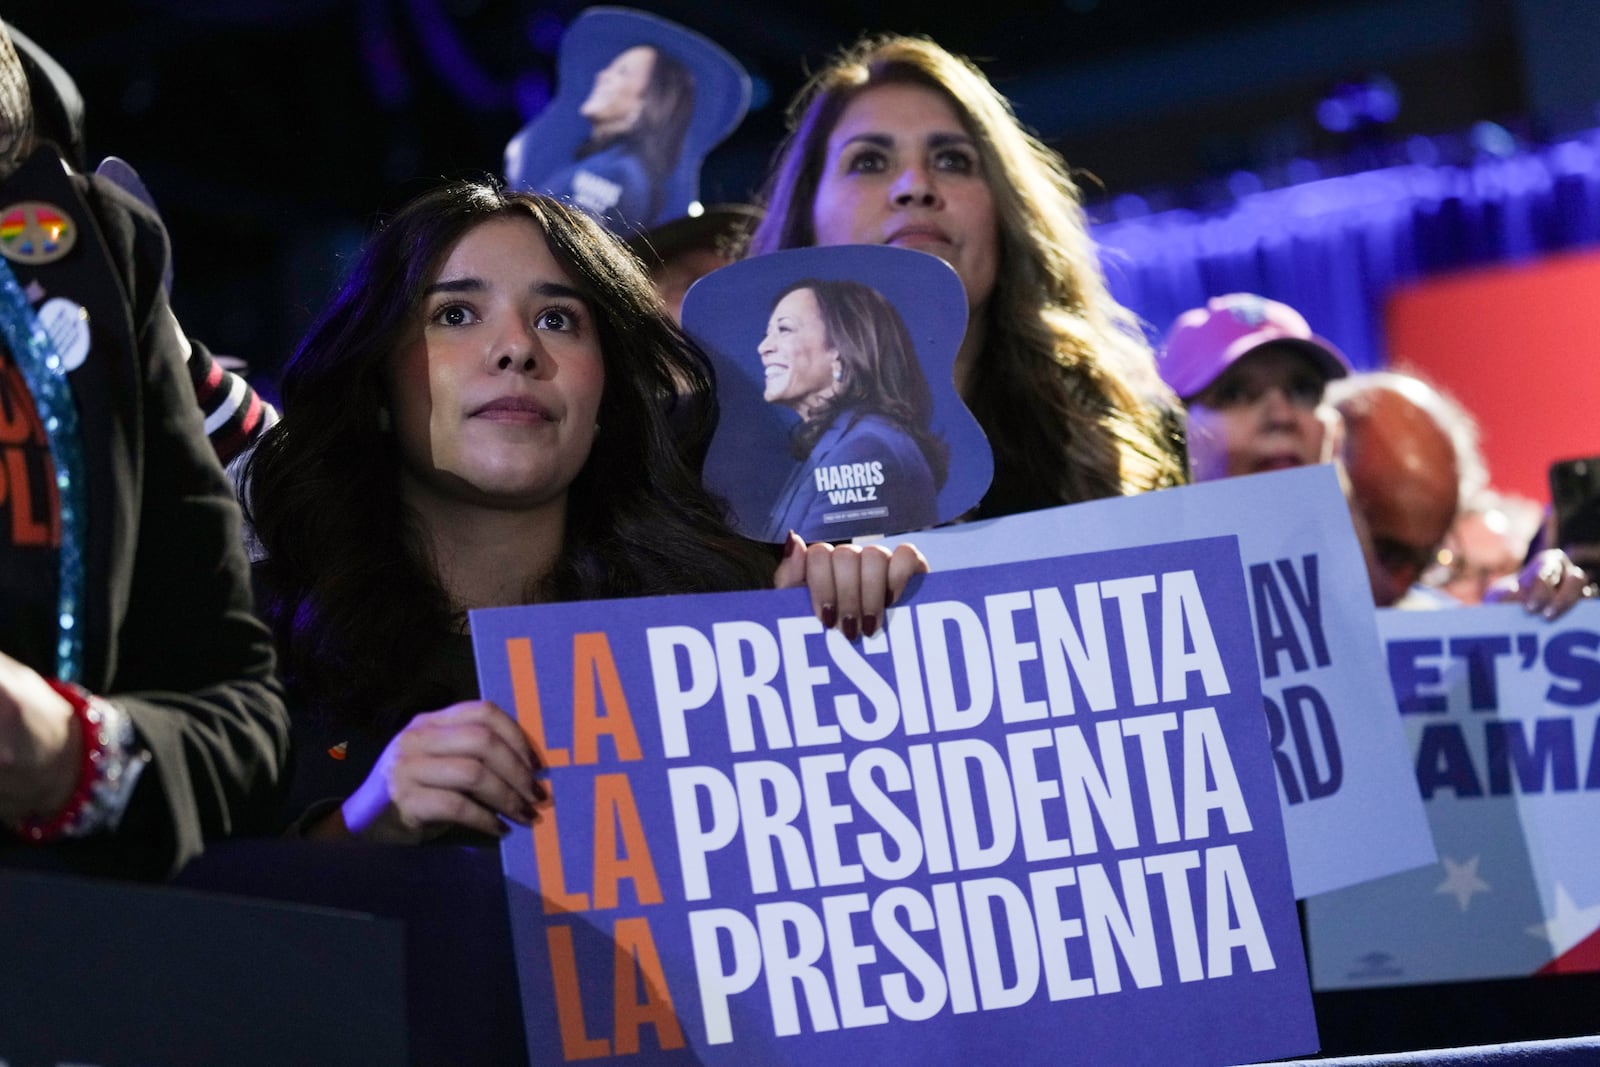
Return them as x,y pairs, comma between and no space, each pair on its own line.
493,411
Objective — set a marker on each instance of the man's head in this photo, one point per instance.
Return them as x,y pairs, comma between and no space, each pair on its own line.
1411,455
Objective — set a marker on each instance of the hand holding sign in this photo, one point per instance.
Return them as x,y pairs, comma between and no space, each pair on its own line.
1549,585
849,582
466,765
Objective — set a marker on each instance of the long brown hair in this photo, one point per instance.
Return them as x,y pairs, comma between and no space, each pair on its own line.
353,595
1066,387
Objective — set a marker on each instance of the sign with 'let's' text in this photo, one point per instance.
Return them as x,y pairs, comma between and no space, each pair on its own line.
1501,711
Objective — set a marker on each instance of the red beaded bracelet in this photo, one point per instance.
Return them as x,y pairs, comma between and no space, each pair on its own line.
94,747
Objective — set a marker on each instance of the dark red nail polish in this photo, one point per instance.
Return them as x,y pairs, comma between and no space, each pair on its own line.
888,601
848,627
869,625
829,616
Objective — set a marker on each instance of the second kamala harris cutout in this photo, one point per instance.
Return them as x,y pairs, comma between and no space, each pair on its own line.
639,103
839,415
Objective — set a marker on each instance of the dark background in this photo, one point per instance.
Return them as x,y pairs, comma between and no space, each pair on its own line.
273,134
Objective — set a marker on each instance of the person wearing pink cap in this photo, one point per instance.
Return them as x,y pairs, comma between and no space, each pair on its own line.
1251,374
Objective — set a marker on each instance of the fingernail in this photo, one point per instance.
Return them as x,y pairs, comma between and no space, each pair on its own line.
888,601
869,625
848,627
789,545
829,616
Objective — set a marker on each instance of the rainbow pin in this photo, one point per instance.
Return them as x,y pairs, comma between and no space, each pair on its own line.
35,232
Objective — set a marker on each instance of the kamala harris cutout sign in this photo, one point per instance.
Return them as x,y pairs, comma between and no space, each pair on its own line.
639,103
840,418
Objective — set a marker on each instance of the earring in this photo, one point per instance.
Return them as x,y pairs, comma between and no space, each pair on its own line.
384,422
838,373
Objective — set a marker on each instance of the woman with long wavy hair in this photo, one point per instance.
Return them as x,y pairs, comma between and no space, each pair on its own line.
899,142
481,418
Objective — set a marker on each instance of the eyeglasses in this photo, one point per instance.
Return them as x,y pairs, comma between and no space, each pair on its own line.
1397,557
1449,567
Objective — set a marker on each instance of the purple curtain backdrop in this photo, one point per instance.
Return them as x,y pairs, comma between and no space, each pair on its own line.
1335,248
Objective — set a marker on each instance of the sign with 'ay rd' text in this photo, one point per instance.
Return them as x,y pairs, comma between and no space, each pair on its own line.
1350,807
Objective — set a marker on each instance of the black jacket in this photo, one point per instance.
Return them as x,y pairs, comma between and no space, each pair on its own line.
169,633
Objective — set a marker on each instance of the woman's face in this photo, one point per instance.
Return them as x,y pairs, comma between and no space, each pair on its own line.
495,389
617,98
795,355
1260,414
900,169
1482,550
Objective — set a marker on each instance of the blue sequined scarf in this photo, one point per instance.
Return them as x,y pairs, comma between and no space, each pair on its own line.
41,367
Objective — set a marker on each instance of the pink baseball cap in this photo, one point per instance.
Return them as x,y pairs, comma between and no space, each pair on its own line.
1206,341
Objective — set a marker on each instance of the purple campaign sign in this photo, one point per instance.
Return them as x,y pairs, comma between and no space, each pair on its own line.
1500,713
1350,805
840,417
1032,819
639,103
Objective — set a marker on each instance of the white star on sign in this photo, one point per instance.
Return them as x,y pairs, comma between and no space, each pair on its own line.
1461,880
1570,924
